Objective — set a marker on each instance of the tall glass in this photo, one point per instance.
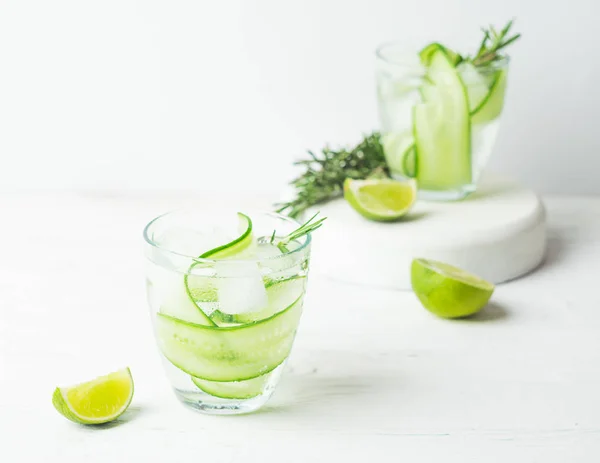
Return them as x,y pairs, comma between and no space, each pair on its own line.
224,326
439,118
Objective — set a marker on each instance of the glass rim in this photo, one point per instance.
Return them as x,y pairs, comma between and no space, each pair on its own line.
407,53
203,260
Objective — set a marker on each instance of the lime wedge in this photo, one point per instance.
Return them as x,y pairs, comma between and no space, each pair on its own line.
448,291
98,401
380,199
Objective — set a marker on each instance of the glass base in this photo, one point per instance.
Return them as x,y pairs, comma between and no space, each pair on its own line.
200,401
207,404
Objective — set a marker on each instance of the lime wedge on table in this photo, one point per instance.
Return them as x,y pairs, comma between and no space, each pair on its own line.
380,199
448,291
98,401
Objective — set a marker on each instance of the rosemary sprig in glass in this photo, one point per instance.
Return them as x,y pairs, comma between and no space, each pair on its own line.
491,45
307,227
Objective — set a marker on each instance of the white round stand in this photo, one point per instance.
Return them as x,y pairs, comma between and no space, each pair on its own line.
497,233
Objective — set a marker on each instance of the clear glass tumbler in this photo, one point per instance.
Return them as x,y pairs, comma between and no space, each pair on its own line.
439,118
225,304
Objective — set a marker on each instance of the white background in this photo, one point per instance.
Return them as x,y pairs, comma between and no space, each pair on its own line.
223,95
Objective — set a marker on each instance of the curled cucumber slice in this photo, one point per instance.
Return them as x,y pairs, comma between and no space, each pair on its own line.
234,389
398,147
229,353
427,53
195,288
442,128
491,107
476,84
235,247
409,162
175,299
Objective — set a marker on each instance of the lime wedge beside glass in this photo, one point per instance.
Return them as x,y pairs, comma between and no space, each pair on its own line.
98,401
448,291
380,199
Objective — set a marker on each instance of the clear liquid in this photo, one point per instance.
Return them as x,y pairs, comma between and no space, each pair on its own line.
231,294
397,97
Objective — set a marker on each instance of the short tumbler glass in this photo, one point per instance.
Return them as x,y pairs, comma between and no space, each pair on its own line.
224,325
439,120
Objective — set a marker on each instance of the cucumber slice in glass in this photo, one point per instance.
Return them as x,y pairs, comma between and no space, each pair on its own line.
427,53
175,299
396,147
409,162
442,128
233,353
201,289
491,107
237,246
477,85
234,389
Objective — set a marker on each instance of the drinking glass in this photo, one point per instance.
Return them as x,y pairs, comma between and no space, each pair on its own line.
225,324
439,118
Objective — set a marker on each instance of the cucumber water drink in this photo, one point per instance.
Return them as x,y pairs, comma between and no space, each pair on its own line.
439,115
225,303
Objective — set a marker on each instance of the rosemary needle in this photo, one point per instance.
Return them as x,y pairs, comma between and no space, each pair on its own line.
307,227
324,174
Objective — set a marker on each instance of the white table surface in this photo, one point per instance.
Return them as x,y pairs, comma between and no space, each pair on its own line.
373,376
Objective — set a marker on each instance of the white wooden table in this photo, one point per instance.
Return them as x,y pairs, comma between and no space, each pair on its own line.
373,376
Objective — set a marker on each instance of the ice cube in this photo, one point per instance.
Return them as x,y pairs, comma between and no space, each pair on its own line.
276,265
240,287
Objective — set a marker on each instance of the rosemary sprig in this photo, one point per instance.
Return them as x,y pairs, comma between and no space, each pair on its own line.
491,45
307,227
324,176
